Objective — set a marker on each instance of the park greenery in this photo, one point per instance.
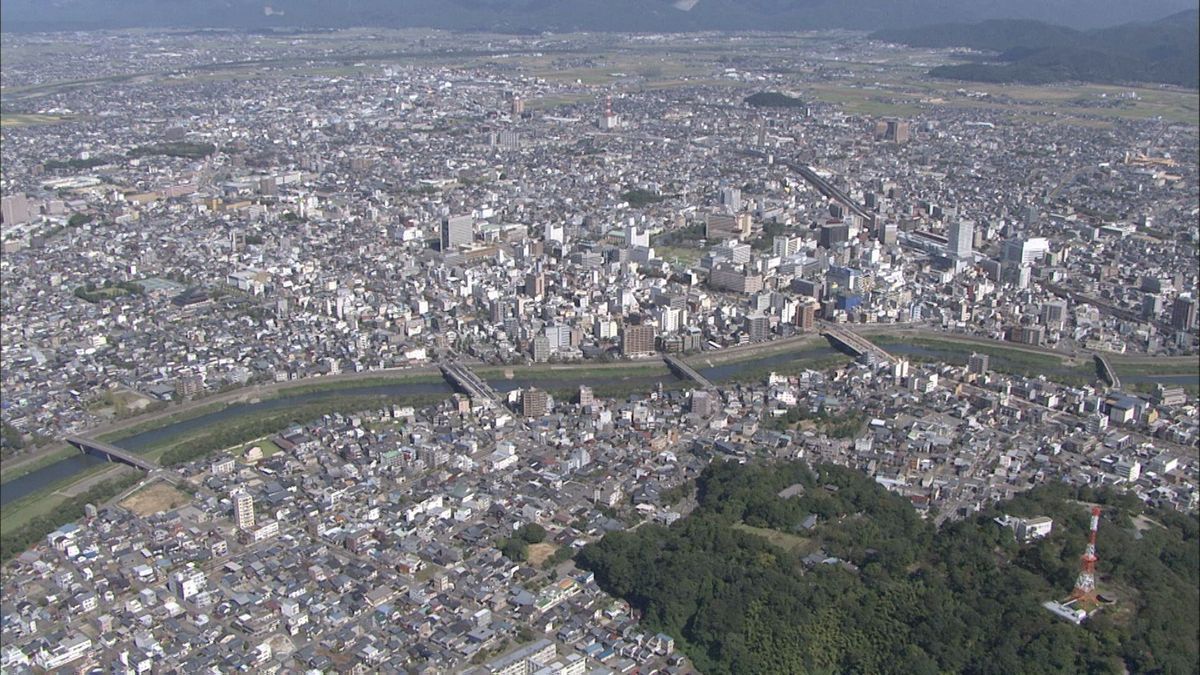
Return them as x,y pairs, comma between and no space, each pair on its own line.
638,197
873,588
516,547
14,542
773,99
174,149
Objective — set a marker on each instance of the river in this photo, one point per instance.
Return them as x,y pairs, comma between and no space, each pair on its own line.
46,477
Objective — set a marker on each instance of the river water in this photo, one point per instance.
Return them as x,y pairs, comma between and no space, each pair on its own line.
42,479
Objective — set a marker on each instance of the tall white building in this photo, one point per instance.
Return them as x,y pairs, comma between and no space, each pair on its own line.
243,509
962,238
1025,251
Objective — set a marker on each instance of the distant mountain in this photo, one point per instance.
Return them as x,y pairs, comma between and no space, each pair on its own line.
1166,51
565,15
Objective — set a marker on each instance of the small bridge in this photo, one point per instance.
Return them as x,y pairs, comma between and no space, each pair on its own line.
110,453
684,370
460,377
856,344
1107,372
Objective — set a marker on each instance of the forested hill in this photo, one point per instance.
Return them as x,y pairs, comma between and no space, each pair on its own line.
1166,51
745,587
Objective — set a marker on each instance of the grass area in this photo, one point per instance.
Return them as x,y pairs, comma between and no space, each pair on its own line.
265,444
685,255
18,120
791,543
649,367
1136,368
1012,361
334,385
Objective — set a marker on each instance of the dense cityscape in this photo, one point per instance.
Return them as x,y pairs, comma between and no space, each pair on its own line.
377,330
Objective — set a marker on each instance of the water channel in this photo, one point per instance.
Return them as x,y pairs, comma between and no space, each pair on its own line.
54,474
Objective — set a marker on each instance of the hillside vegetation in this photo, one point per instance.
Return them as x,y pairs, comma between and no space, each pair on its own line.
901,597
1032,52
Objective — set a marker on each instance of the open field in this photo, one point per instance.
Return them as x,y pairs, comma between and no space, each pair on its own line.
155,499
791,543
538,553
19,120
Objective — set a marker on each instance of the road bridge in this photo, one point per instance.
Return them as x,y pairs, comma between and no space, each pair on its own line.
110,453
1107,372
460,377
684,370
856,344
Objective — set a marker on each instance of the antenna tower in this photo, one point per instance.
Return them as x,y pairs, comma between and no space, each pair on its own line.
1085,583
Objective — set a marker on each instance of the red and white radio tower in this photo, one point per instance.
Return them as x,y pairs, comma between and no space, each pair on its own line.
608,106
1085,583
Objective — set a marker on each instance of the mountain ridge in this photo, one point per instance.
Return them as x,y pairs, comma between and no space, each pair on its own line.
563,15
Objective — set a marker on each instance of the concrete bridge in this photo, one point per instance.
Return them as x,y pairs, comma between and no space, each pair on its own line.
460,377
110,453
856,344
1107,372
684,370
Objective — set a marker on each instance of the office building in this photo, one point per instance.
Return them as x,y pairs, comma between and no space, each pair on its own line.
1054,314
977,364
1027,335
637,340
14,209
806,317
733,278
1025,251
541,349
535,284
961,239
731,199
243,509
833,234
1183,313
534,402
1152,306
722,226
757,326
457,231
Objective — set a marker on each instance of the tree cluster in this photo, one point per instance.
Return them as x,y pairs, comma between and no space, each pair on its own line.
906,598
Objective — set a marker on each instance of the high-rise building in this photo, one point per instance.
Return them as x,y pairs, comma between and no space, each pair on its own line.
806,317
731,198
586,397
14,209
702,403
977,364
757,326
457,231
243,509
962,239
637,340
1183,313
833,234
1151,306
535,284
534,402
541,349
518,106
1025,251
